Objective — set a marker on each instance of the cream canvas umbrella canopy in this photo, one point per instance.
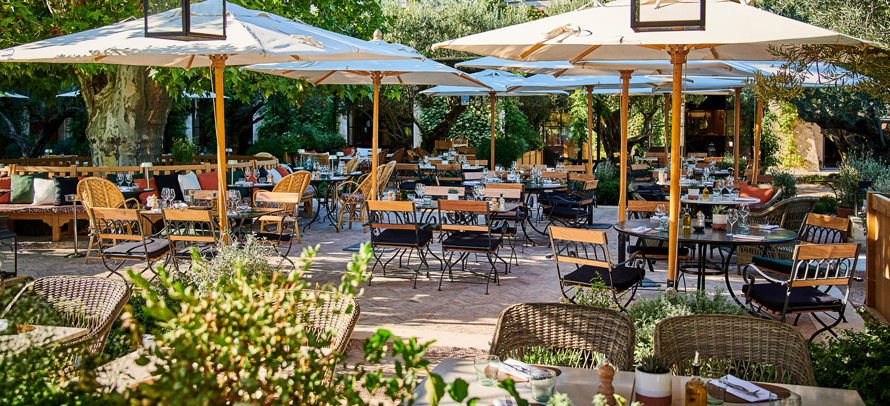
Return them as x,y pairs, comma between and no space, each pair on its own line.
499,84
252,36
732,31
387,72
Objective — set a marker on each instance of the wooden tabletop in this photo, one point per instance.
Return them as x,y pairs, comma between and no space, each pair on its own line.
708,235
40,335
581,385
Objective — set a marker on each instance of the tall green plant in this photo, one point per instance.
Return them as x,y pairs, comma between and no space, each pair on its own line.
183,152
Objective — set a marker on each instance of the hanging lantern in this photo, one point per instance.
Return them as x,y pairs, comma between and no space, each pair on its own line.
185,20
667,15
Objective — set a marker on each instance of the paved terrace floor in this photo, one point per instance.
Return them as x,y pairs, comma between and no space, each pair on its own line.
459,316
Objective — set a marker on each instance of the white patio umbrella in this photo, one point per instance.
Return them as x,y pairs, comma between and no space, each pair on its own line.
389,72
732,31
499,84
13,95
252,36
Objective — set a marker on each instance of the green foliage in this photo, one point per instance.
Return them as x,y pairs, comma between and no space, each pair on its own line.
520,136
857,360
646,313
175,128
653,364
729,162
473,124
183,151
857,167
607,191
786,181
827,205
249,257
719,209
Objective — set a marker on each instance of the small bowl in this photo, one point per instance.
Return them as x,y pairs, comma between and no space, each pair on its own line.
698,229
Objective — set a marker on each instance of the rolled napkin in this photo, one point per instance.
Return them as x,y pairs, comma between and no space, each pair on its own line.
517,368
759,394
641,229
768,226
748,237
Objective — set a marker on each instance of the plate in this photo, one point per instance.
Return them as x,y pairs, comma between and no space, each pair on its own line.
730,398
503,376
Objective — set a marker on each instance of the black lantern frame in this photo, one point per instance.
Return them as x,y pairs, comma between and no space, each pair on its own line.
667,25
186,34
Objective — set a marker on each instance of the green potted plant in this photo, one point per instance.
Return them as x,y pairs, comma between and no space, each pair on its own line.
453,194
653,379
718,217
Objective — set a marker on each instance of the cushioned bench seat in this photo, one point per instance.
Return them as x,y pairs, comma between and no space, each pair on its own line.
54,216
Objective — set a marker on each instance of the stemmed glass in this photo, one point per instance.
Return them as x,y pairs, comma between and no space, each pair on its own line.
731,218
514,165
479,192
719,185
167,194
129,178
232,198
659,212
690,172
120,181
484,174
744,211
247,174
728,185
419,190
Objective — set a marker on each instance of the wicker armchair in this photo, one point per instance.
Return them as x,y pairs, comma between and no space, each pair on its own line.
81,301
352,201
384,173
564,335
777,196
98,192
398,156
297,182
749,348
353,164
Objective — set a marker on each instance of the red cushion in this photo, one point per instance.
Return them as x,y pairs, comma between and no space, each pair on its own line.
282,171
349,151
151,185
209,181
753,191
5,183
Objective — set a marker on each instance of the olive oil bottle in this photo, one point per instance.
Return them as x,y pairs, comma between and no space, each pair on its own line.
696,390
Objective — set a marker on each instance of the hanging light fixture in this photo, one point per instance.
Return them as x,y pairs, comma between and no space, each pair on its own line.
675,16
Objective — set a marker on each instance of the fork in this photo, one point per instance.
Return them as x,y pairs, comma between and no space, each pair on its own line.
742,389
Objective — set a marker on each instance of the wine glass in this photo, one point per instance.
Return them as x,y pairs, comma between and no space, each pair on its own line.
419,189
120,181
690,172
744,211
731,218
484,174
129,178
719,186
728,185
166,195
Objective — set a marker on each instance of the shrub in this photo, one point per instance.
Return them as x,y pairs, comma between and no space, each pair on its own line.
248,257
857,167
826,205
857,360
786,181
729,161
506,150
183,152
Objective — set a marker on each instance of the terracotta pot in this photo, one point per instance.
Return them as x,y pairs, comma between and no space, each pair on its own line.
653,389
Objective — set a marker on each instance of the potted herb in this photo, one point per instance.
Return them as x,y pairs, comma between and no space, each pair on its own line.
718,217
653,381
693,191
453,194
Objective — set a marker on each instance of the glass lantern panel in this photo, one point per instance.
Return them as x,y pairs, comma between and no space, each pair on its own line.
166,19
670,15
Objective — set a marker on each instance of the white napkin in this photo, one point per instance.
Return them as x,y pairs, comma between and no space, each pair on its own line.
502,402
125,189
748,237
761,394
517,368
768,227
641,229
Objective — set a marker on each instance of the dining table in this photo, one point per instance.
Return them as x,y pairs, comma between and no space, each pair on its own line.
33,336
327,199
241,216
580,385
647,229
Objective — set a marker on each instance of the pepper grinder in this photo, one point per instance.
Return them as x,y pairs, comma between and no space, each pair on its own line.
606,374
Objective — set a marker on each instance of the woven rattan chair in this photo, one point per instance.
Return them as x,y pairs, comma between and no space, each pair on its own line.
98,192
352,201
83,302
297,182
353,164
384,174
564,335
398,156
747,347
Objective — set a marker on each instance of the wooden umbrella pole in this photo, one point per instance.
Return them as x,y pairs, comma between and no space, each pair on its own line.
757,129
625,102
599,129
590,129
376,77
218,64
667,128
678,58
737,124
491,99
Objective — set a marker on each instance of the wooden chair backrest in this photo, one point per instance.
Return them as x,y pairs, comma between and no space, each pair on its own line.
190,225
442,191
560,237
128,223
822,229
472,175
555,175
639,167
717,159
697,155
206,194
518,186
505,193
582,177
703,165
575,168
836,264
643,206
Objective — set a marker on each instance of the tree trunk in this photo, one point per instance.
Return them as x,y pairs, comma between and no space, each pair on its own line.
442,129
127,115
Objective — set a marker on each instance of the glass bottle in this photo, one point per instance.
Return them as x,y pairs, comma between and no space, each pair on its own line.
696,390
705,193
687,220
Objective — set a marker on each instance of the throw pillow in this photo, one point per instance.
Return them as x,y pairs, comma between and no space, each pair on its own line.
5,184
264,173
209,181
142,184
169,181
234,177
753,191
64,187
23,188
44,192
283,171
273,177
189,181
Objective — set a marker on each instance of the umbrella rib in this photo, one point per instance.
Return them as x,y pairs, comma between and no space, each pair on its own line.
189,64
558,74
326,75
585,53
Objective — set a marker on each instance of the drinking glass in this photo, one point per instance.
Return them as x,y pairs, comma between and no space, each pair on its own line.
744,211
419,189
542,382
690,172
728,185
484,174
129,178
731,219
719,185
120,181
487,367
716,393
411,197
247,174
261,179
784,397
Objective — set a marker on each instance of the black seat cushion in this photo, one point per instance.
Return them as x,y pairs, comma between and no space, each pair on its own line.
404,238
772,297
154,247
274,237
624,277
563,212
408,185
206,250
653,251
472,241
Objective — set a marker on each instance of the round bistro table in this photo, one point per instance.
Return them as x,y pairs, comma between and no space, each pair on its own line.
702,239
